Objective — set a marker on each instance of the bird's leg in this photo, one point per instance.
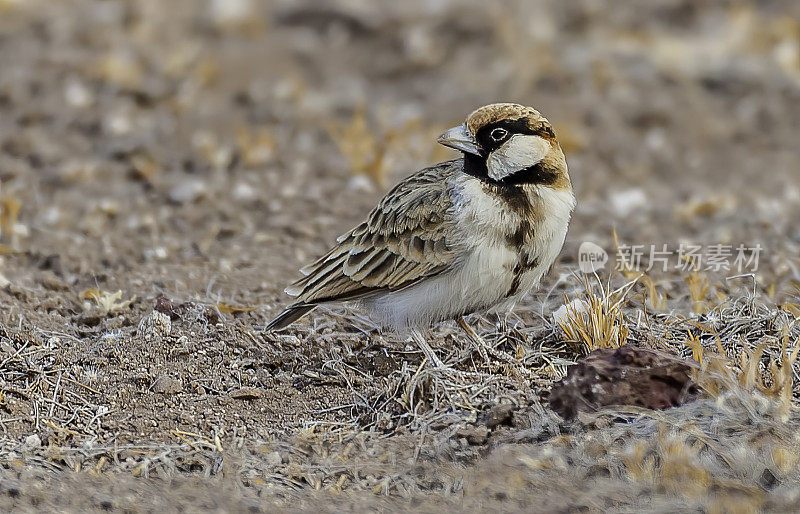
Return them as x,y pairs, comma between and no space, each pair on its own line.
484,348
426,349
502,323
477,340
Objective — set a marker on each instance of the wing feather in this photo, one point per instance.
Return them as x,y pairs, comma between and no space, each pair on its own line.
319,276
405,239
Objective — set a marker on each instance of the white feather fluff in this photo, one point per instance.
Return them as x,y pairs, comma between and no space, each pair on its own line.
520,152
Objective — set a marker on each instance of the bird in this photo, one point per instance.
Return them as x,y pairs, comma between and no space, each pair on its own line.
473,234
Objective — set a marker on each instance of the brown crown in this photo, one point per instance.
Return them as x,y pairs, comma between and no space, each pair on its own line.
504,111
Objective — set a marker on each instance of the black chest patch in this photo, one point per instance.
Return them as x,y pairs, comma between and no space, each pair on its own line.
518,201
525,263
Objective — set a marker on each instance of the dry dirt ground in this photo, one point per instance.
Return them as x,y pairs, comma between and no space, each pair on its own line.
165,167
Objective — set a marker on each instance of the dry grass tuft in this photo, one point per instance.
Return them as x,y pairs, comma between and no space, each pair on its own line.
106,300
9,213
699,289
673,465
595,321
719,373
628,270
361,146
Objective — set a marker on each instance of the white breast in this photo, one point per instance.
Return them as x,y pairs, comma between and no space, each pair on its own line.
483,274
548,237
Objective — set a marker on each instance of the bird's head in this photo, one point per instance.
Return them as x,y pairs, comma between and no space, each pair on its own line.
509,144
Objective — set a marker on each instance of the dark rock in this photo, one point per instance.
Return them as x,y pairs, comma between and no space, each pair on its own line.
624,376
103,501
500,415
49,262
10,487
384,365
212,315
768,480
166,306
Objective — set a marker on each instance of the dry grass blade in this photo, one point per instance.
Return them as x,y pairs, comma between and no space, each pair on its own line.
720,374
629,270
106,300
699,287
9,212
597,320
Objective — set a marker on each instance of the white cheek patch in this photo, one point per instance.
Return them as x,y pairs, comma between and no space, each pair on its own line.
519,152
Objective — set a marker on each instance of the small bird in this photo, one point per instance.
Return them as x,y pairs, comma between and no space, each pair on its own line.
473,234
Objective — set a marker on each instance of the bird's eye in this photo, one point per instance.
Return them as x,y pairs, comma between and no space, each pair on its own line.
498,134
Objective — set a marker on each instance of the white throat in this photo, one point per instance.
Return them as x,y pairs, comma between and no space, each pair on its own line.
520,152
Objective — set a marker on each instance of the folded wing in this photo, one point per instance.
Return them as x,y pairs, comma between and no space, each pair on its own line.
403,241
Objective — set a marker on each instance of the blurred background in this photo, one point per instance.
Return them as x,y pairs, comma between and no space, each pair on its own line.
156,146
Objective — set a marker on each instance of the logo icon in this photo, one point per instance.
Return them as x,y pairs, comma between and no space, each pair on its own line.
591,257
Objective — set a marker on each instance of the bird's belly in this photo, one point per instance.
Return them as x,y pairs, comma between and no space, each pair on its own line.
480,282
491,273
486,276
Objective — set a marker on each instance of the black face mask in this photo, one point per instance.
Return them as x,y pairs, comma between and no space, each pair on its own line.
539,173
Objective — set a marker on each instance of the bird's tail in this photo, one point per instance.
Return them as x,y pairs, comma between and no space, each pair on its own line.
289,316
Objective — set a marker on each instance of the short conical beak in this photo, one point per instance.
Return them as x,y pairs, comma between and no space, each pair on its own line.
460,139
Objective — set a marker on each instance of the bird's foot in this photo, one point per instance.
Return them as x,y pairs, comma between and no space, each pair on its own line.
433,359
514,365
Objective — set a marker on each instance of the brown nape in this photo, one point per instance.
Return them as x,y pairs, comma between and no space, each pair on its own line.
562,183
544,130
557,160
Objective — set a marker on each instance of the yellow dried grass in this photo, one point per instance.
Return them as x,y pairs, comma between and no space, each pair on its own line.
601,322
